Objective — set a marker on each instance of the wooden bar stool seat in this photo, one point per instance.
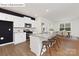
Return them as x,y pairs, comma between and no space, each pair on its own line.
51,42
45,44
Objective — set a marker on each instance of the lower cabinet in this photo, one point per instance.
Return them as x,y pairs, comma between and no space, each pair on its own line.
19,38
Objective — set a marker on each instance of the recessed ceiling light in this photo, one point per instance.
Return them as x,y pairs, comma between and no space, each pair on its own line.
47,10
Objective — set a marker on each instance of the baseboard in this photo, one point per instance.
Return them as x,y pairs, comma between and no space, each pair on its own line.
6,43
15,43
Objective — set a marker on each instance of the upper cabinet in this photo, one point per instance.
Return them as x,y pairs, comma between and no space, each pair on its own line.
18,21
5,17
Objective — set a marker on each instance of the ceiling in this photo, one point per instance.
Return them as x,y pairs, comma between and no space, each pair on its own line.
50,11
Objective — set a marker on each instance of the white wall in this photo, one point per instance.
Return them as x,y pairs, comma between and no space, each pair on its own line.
75,27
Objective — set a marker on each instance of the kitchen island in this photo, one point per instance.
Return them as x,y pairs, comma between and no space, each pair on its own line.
36,41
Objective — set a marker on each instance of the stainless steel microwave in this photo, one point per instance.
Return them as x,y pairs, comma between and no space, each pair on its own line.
28,25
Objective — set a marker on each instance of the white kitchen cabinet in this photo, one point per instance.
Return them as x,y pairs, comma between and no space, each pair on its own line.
6,17
19,37
35,45
27,20
18,21
18,24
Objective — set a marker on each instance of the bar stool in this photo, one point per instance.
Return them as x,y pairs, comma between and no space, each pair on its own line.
44,44
51,42
59,40
55,45
56,39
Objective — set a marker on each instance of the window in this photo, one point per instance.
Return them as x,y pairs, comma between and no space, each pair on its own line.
61,27
66,27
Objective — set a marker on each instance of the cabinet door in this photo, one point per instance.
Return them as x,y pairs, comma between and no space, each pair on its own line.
6,32
18,24
21,36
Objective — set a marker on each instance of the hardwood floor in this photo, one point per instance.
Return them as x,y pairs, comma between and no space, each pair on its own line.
67,48
16,50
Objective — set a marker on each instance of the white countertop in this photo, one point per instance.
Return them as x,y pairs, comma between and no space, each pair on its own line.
44,35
